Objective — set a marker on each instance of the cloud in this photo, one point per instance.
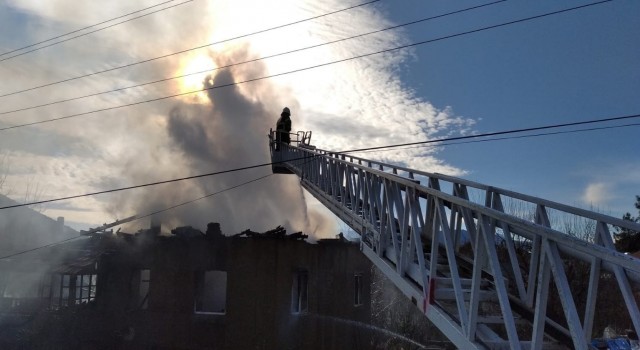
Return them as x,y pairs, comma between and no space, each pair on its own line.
353,104
617,180
598,194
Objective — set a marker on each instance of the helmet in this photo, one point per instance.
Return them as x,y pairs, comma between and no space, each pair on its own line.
286,111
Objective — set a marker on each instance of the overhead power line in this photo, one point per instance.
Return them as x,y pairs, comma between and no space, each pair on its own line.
199,198
510,137
143,185
505,132
88,27
40,247
187,50
496,133
306,68
255,59
138,217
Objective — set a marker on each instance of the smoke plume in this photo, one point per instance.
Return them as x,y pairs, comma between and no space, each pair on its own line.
351,104
229,131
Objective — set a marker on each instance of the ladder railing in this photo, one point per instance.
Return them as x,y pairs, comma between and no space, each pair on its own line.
480,274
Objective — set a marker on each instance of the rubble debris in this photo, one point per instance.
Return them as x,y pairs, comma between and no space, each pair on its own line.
277,233
186,232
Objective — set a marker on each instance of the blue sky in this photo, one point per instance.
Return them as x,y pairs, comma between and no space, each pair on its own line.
563,68
568,67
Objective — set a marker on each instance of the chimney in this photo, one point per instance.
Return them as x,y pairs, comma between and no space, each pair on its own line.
155,227
213,230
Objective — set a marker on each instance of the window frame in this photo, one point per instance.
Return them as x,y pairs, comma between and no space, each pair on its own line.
67,289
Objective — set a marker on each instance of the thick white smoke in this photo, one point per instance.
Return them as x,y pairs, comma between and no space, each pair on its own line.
230,131
349,105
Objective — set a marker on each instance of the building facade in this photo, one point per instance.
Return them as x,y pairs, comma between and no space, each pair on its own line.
191,291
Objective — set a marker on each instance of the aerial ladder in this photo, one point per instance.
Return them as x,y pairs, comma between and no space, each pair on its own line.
480,271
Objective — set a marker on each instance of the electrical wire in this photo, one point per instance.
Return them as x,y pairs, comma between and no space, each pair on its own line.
255,59
260,178
40,247
265,176
188,50
143,216
304,69
91,26
512,131
496,133
199,198
509,137
143,185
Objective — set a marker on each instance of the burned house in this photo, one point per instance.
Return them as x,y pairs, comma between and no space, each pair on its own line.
35,286
203,291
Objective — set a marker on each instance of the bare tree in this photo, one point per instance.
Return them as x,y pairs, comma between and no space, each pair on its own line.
610,314
34,193
628,240
406,327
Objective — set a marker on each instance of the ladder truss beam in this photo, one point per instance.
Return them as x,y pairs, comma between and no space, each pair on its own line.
458,259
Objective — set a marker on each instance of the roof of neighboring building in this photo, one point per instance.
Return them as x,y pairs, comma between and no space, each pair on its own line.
24,228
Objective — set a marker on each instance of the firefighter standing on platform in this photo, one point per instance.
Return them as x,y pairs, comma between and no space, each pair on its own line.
283,128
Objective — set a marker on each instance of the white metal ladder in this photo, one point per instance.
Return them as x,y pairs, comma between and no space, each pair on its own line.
479,272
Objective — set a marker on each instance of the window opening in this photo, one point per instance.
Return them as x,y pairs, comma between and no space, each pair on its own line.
299,290
357,292
143,291
68,289
211,292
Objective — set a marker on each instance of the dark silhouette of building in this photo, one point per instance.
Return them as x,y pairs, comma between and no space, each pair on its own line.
202,291
24,228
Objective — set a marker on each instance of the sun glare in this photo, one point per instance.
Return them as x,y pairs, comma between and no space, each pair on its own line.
232,19
239,18
195,70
